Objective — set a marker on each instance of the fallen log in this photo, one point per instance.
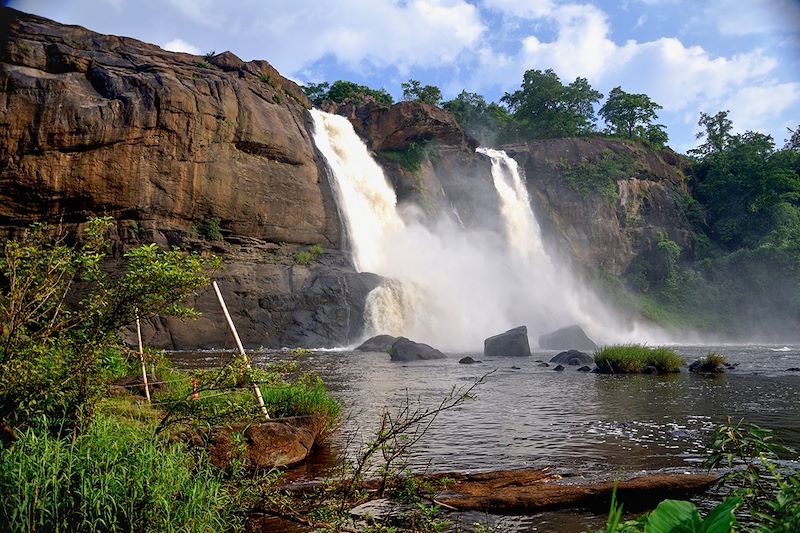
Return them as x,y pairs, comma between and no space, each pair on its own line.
527,491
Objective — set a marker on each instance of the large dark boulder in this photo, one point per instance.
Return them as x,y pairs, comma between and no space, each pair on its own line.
378,343
404,350
512,343
573,357
569,338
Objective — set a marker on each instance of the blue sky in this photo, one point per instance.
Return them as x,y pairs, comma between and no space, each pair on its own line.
689,56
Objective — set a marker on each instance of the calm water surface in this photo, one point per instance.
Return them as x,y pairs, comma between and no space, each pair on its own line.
584,425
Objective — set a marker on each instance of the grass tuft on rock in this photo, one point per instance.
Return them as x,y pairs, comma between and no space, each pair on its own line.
635,358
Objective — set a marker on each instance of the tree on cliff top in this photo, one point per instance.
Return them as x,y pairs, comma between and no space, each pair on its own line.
543,107
342,91
631,115
484,121
716,131
414,91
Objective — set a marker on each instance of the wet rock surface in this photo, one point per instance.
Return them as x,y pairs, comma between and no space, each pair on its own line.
511,343
378,343
405,350
568,338
573,357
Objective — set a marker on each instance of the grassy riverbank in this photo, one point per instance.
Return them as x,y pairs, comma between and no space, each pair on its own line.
124,471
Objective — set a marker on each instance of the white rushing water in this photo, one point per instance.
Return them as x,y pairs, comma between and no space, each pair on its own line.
450,286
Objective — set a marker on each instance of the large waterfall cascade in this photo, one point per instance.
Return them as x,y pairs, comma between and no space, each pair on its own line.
450,286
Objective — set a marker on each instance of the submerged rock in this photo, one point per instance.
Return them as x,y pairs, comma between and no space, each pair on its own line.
569,338
650,370
543,364
585,369
467,360
378,343
573,357
406,350
512,343
559,368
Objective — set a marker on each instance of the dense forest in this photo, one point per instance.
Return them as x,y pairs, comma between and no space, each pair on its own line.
743,201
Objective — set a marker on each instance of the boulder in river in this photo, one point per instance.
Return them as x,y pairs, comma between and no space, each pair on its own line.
585,369
573,357
569,338
559,368
467,360
378,343
405,350
512,343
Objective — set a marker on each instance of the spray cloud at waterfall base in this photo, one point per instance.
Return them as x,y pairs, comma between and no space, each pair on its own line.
452,286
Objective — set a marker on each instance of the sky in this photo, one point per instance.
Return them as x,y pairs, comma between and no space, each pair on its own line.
687,55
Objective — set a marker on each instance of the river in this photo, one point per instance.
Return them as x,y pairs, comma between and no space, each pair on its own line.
581,424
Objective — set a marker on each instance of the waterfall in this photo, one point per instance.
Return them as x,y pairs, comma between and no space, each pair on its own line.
448,285
366,198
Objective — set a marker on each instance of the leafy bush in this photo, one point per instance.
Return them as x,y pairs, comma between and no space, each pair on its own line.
54,358
632,358
111,478
210,229
676,516
303,258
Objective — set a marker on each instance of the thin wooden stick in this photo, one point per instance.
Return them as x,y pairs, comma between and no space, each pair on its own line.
256,388
141,359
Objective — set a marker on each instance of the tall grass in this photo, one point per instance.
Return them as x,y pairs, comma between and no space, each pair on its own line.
110,478
633,358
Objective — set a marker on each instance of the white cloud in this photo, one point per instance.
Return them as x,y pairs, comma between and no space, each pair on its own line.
756,107
521,8
750,17
358,33
179,45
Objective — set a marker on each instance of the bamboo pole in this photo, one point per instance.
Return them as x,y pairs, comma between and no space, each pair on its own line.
141,359
256,388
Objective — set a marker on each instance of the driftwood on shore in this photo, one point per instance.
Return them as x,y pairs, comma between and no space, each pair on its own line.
525,491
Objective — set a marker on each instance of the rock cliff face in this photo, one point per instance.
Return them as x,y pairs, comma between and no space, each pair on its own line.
172,145
609,203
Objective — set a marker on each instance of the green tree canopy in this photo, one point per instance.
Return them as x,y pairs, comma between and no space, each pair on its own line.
749,190
630,115
793,142
345,92
484,121
543,107
716,131
414,91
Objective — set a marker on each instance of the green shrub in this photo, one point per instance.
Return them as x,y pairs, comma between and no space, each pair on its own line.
111,478
303,258
210,229
277,98
410,158
203,64
632,358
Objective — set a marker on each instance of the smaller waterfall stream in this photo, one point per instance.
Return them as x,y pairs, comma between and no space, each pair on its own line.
448,285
